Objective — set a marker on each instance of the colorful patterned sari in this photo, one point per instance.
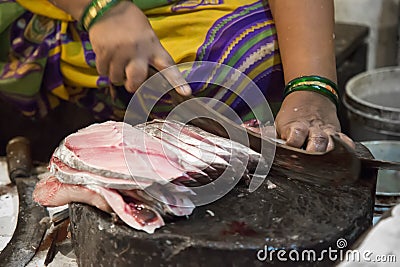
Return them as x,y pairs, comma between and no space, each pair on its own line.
45,58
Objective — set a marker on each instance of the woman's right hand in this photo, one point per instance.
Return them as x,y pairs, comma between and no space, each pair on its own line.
125,45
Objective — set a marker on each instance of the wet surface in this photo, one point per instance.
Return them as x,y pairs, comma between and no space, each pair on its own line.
293,216
8,206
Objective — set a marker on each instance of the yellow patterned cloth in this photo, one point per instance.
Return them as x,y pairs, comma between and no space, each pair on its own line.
46,58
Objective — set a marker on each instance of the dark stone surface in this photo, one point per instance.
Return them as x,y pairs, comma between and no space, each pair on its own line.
292,216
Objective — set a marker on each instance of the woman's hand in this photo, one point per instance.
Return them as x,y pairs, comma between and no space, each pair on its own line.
125,45
307,119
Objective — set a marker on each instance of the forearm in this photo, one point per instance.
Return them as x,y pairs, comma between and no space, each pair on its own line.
73,7
306,37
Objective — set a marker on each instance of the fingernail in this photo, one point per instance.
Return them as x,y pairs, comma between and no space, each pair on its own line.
184,90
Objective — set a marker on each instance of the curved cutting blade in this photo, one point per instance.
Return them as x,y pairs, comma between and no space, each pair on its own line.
29,231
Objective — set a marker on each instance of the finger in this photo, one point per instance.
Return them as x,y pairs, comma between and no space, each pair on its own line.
253,129
136,74
345,138
117,74
317,140
295,134
103,64
162,61
268,131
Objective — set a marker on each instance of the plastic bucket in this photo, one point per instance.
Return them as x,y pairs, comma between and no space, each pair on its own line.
372,101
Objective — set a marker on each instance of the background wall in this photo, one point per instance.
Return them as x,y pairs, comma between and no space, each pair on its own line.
382,16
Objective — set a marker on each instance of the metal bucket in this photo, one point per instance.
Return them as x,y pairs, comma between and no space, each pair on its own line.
388,183
372,100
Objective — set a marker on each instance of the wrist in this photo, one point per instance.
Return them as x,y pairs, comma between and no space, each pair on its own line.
314,102
75,8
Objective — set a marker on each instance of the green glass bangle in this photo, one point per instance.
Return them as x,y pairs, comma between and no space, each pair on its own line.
94,11
317,84
315,88
312,78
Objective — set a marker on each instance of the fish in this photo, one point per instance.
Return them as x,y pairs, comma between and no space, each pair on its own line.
143,174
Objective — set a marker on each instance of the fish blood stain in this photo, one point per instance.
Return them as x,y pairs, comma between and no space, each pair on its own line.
145,215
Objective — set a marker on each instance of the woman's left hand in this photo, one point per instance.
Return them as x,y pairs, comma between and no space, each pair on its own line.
308,119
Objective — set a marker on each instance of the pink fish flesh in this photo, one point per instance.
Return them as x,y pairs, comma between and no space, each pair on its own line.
165,158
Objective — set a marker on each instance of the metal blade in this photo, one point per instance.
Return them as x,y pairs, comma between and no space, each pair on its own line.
336,167
29,231
380,164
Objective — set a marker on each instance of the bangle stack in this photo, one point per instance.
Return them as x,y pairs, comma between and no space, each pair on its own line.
314,83
95,10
